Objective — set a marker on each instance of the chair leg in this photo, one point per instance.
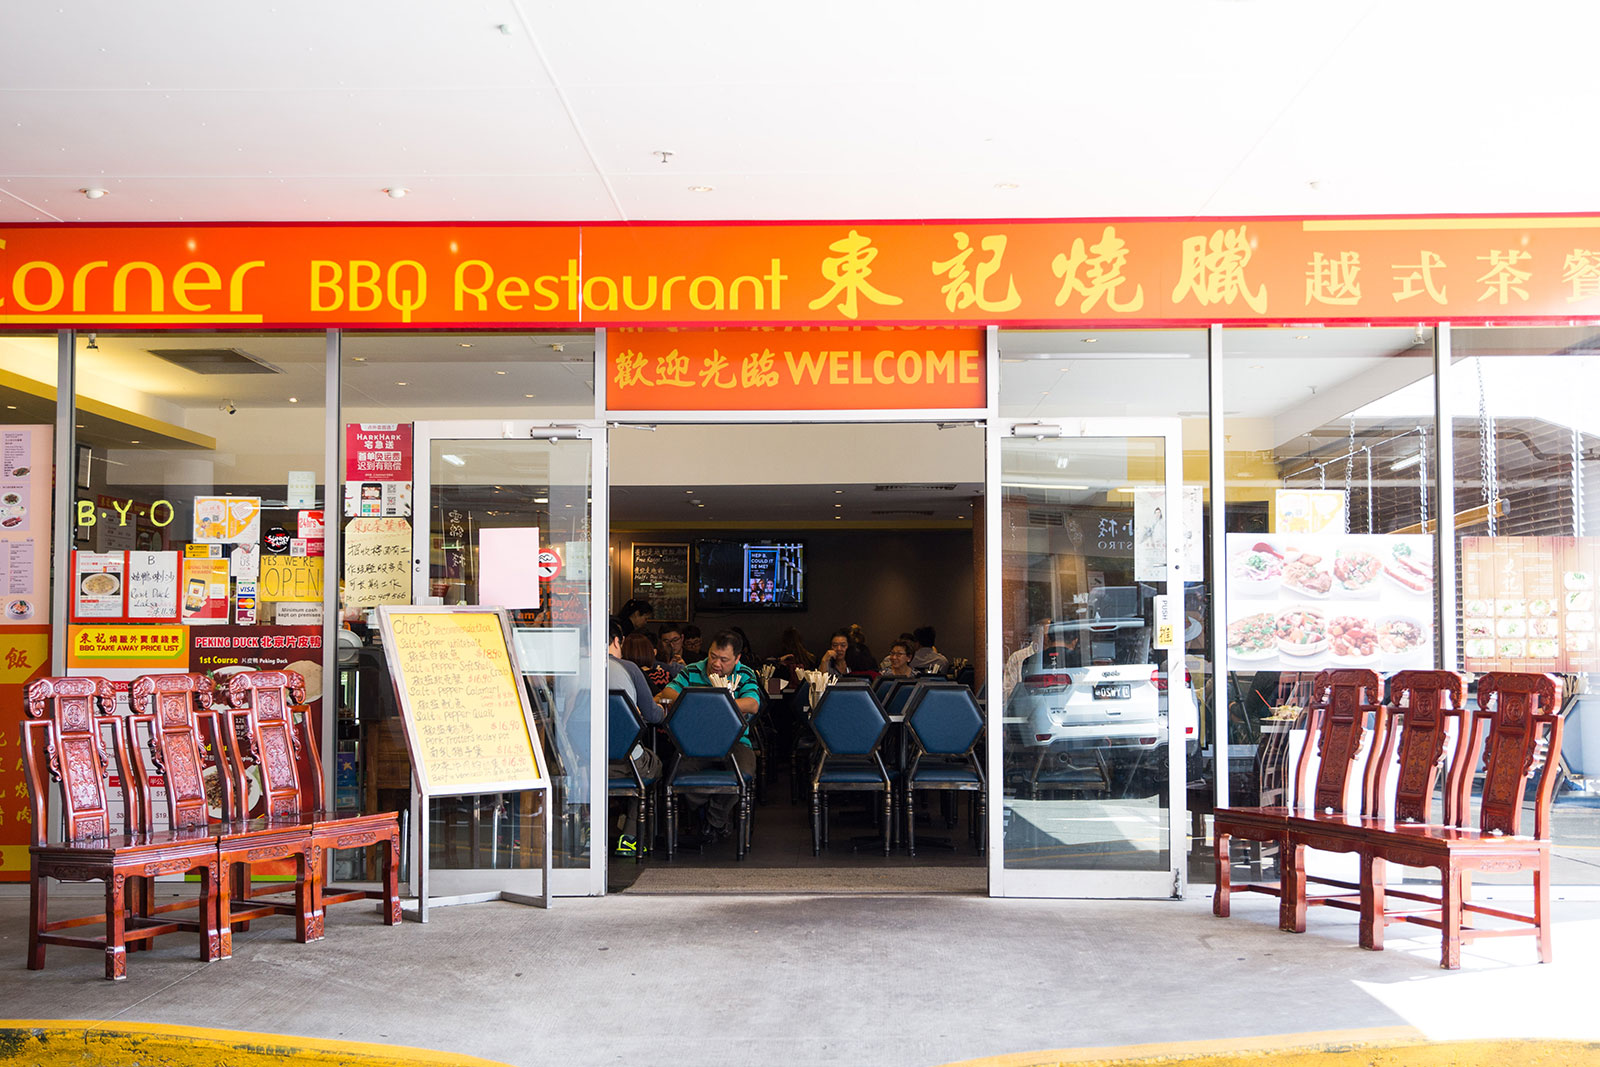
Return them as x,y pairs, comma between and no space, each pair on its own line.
1450,918
224,894
824,820
1373,884
911,822
1221,903
816,823
116,927
1292,886
983,822
672,826
1541,911
888,820
391,880
38,915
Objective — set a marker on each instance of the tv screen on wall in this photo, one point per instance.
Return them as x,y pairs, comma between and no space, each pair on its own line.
749,575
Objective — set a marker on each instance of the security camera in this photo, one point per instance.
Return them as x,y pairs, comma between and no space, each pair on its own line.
227,408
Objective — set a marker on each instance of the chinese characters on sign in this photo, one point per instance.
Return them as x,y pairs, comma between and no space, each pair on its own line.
1528,604
1038,273
377,469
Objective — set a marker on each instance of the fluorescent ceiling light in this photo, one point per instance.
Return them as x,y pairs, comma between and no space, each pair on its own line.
1406,461
1004,484
1086,354
454,461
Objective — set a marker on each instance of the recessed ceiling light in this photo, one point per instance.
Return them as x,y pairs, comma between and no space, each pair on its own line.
1005,185
1091,340
541,500
359,359
838,505
689,492
566,505
397,192
402,383
1302,337
294,400
700,189
527,396
133,442
11,407
836,518
80,425
94,192
499,372
465,344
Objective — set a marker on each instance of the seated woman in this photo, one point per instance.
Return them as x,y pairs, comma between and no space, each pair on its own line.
899,661
636,648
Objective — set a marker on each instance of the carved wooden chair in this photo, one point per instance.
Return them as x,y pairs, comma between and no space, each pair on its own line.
1517,729
1336,719
173,715
261,707
63,737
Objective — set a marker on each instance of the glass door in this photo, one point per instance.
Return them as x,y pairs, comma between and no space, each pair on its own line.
1094,710
506,519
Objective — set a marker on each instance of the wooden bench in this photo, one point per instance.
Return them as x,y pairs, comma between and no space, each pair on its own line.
1344,703
1514,740
189,746
63,737
268,730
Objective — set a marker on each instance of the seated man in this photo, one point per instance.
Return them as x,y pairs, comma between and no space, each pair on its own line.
722,660
691,644
671,654
625,675
928,659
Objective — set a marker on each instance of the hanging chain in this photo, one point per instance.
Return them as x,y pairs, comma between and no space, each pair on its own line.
1349,472
1368,451
1322,476
1488,461
1577,482
1422,477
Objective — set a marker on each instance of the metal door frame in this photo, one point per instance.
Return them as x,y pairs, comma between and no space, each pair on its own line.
572,881
1181,711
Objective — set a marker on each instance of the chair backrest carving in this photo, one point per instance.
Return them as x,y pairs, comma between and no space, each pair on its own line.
1524,727
1341,699
1422,706
72,714
263,702
170,706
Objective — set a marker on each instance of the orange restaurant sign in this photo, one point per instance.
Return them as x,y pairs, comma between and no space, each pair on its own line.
802,369
1063,272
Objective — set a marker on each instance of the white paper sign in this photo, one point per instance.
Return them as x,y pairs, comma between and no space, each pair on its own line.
245,562
302,490
152,585
508,567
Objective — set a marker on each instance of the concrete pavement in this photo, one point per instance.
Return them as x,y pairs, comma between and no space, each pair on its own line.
897,981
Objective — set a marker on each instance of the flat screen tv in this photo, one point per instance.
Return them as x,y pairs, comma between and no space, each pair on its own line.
749,575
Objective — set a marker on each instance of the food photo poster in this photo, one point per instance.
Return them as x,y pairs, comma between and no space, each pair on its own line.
1306,602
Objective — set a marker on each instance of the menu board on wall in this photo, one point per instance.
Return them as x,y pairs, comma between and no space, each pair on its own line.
25,465
461,699
1528,604
1333,600
661,576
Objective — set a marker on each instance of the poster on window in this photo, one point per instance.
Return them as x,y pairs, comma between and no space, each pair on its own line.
25,485
99,585
1528,604
222,520
1314,601
1150,531
205,591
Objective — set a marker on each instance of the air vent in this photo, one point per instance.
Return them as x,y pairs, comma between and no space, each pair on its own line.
903,513
1037,517
214,360
912,487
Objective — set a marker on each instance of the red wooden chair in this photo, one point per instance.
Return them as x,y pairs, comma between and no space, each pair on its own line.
262,704
184,738
1335,718
63,738
1520,714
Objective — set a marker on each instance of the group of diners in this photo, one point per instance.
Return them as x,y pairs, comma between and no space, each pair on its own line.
655,667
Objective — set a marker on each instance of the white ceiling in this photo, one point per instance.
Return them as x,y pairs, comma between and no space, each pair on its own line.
520,109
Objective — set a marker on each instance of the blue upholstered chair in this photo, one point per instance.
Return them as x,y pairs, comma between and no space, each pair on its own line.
624,727
705,724
945,726
850,726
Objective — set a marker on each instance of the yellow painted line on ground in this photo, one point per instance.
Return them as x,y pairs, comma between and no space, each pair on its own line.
1327,225
77,1043
1397,1046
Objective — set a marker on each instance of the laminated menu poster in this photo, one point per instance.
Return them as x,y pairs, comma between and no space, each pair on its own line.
25,484
1528,604
1307,602
99,585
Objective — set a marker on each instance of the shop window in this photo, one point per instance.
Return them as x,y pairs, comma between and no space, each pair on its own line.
1331,486
1527,515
